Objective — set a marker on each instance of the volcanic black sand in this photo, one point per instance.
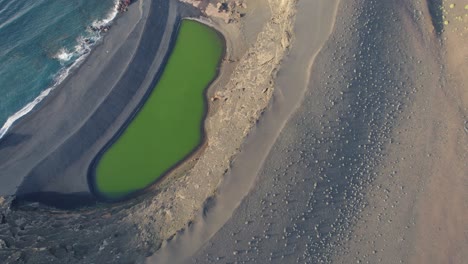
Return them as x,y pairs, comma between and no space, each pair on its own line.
46,155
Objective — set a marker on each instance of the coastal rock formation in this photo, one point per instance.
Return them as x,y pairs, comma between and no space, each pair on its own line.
230,11
123,5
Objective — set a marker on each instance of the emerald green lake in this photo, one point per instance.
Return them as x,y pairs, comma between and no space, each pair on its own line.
169,125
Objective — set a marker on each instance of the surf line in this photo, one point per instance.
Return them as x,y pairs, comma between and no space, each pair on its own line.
82,49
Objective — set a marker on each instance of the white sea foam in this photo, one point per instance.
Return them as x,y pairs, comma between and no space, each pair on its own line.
80,52
26,109
59,78
63,55
109,18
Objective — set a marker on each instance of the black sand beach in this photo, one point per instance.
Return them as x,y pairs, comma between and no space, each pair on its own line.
46,155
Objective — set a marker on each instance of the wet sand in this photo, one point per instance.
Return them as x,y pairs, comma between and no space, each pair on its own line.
49,151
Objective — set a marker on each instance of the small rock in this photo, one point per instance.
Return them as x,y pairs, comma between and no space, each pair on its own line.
3,244
103,245
106,216
20,221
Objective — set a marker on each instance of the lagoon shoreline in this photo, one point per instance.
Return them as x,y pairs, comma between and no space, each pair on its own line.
69,135
199,147
255,46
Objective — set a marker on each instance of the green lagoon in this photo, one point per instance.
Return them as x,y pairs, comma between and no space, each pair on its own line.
169,125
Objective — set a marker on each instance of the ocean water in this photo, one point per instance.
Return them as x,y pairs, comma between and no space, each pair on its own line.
41,41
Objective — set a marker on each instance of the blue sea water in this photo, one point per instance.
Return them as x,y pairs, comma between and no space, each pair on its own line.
41,41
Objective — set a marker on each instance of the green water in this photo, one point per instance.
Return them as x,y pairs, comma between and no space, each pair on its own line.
168,127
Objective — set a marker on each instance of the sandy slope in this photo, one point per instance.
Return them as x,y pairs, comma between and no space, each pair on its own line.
372,167
418,208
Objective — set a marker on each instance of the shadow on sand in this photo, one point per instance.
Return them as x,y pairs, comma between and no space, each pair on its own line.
63,201
13,139
436,11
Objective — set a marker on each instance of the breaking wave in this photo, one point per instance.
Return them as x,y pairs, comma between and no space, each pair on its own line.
69,60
